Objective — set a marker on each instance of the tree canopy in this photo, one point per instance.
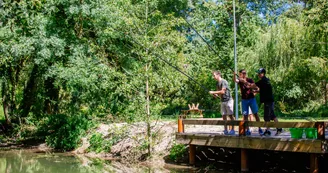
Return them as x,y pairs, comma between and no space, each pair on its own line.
91,59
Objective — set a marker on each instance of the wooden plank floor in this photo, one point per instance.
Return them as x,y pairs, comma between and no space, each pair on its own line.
283,142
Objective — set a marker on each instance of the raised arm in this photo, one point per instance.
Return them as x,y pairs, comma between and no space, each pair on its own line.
248,85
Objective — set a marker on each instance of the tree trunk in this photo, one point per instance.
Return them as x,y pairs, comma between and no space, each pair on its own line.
147,91
52,96
5,102
13,82
29,92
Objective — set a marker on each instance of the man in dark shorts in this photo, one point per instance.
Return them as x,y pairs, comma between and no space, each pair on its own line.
248,101
266,97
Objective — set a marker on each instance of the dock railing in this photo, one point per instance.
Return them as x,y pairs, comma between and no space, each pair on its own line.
319,125
314,147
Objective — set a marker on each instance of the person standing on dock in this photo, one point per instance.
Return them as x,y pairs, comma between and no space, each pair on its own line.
226,100
266,97
247,98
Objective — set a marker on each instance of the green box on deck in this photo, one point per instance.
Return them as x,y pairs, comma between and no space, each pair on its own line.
296,133
311,133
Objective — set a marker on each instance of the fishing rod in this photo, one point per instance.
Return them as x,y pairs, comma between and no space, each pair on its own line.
174,67
171,65
203,39
211,48
165,61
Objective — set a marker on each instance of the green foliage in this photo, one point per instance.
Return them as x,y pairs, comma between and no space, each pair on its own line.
143,146
68,58
177,151
321,111
212,114
3,139
2,116
65,132
99,143
96,143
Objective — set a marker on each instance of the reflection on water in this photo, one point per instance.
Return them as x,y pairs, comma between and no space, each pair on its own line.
22,161
29,162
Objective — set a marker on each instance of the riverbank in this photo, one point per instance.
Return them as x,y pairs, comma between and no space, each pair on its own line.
121,141
130,141
127,149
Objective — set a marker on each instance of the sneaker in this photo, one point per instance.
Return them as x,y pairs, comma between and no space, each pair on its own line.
232,132
279,131
267,133
260,131
248,133
225,132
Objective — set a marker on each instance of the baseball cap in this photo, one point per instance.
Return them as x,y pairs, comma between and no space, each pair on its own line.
261,70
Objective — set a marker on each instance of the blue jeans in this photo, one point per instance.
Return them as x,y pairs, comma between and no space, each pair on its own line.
246,103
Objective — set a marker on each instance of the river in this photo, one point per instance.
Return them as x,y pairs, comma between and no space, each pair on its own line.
29,161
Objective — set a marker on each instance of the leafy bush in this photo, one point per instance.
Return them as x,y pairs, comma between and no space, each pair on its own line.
65,132
212,114
322,111
107,147
98,144
177,151
2,139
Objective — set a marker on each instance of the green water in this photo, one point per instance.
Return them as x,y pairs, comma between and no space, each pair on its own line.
22,161
29,162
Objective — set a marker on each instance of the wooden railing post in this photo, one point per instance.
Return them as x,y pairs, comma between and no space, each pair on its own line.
242,128
180,124
321,130
314,166
244,160
192,154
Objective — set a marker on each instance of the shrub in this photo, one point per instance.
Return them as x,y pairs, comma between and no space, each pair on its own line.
65,132
99,144
177,151
96,143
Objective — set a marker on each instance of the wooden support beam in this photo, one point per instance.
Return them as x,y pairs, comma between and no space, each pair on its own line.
252,142
314,164
242,128
192,154
321,130
244,160
180,124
